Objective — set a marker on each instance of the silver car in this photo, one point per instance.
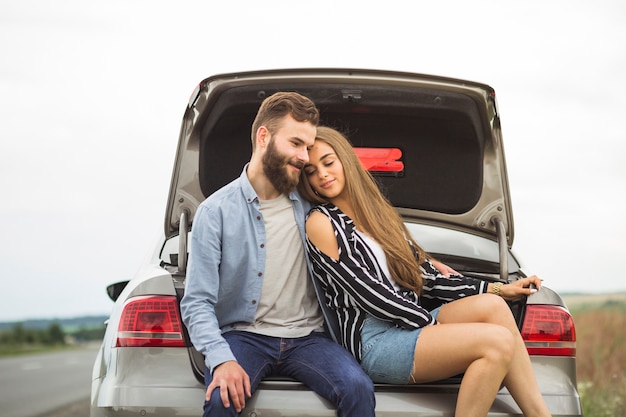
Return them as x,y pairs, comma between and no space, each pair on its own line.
435,146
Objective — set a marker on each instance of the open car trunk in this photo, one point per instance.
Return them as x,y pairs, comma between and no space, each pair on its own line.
447,131
451,170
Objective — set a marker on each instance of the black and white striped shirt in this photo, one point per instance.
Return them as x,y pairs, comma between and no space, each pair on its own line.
355,285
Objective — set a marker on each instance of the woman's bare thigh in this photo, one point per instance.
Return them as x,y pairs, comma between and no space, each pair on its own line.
445,350
481,308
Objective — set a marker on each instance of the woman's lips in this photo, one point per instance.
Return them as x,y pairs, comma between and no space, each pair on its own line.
327,184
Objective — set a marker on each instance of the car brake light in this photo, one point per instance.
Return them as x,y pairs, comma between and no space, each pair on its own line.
549,330
150,321
380,159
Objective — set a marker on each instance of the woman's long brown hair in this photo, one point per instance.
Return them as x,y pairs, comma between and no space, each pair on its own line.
373,213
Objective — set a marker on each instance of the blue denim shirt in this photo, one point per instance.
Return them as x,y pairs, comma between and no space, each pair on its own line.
226,266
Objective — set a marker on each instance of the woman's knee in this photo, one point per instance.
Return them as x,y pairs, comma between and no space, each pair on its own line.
494,303
502,345
494,309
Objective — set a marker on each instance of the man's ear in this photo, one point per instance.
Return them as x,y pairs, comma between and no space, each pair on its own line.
262,136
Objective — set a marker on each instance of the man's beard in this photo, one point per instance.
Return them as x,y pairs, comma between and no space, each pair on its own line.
275,167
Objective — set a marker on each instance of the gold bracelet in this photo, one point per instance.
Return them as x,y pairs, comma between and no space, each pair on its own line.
495,289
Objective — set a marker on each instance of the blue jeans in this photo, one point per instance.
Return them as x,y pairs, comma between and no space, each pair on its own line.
323,365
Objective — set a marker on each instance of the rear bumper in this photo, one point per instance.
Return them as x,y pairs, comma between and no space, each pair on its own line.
276,400
393,401
159,382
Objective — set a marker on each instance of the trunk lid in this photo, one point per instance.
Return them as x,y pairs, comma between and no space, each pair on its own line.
447,130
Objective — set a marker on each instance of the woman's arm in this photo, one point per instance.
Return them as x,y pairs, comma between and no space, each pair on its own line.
524,286
446,289
445,270
346,266
320,232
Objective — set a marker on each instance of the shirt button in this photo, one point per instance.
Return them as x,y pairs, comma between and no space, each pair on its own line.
262,245
253,302
260,273
258,217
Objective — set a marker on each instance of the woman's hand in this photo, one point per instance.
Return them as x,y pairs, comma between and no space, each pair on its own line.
519,288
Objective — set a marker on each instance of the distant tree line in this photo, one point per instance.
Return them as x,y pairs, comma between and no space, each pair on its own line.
86,334
19,335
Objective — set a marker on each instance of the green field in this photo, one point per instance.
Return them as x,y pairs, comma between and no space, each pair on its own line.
600,322
42,335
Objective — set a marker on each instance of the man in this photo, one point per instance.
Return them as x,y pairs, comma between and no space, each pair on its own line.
250,304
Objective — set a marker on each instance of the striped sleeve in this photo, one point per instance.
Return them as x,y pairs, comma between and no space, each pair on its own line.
358,276
446,289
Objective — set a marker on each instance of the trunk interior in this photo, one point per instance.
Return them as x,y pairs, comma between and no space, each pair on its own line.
440,136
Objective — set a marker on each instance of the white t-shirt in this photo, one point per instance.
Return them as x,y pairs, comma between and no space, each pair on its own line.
288,306
380,257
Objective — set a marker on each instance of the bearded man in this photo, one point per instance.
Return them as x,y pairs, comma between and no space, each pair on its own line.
250,304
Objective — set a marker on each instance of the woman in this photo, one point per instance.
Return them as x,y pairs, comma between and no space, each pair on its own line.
377,279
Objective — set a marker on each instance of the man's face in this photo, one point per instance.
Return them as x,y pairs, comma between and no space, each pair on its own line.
287,153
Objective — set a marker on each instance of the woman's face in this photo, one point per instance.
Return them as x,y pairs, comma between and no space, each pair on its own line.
324,171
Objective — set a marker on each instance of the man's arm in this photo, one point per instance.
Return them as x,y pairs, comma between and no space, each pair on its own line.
198,311
443,268
202,288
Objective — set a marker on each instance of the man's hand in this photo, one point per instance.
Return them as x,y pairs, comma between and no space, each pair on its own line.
445,270
231,379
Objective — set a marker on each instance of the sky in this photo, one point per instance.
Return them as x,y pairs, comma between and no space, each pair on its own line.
92,95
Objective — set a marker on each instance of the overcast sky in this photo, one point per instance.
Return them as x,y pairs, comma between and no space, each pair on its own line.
92,95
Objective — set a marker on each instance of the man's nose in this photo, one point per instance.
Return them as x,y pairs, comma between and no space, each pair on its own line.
303,155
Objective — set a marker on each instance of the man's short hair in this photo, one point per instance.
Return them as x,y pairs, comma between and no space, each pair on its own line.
275,107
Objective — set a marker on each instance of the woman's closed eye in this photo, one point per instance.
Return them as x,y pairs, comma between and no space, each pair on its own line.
310,169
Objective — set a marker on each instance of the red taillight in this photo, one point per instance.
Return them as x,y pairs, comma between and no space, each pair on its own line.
549,330
150,321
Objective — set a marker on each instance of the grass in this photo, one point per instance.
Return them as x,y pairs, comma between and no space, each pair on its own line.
16,350
601,355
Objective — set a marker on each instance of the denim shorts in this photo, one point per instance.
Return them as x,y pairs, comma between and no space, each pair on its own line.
387,351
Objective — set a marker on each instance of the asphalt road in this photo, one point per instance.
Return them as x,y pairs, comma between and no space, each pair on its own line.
77,409
46,384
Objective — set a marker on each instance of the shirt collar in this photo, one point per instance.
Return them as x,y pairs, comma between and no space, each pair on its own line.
246,186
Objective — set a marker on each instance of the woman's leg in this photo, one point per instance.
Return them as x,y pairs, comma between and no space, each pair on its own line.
482,351
483,318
